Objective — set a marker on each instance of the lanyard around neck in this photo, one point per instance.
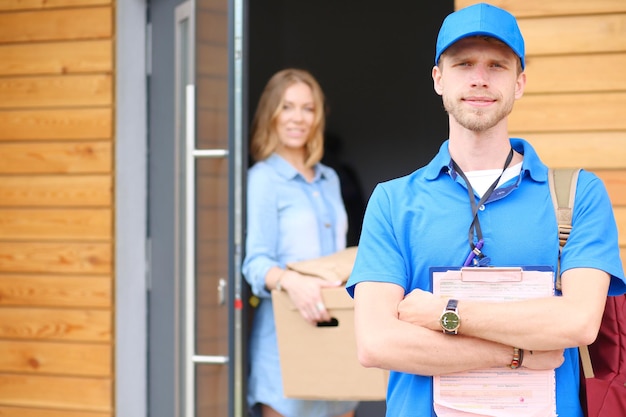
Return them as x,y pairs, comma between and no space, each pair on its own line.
475,225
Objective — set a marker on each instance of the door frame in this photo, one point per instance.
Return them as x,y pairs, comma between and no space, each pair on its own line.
164,293
130,210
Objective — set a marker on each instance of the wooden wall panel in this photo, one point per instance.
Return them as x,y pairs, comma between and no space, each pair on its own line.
7,5
569,112
585,73
564,27
54,91
589,149
56,208
69,325
39,412
74,393
56,25
574,34
55,224
545,8
56,191
53,124
56,257
76,359
47,290
56,57
56,158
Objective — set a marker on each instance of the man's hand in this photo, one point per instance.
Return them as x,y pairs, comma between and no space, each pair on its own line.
543,359
422,309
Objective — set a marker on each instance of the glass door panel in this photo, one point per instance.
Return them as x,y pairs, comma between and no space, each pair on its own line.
215,156
212,74
209,159
212,258
212,210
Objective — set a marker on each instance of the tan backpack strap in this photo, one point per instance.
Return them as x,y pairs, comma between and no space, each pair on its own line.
562,184
585,360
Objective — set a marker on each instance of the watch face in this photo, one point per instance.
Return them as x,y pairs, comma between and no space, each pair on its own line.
450,321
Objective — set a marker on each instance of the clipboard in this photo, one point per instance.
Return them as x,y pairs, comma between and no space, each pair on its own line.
494,392
492,283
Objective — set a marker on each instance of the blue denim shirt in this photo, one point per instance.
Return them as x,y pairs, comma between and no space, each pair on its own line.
288,219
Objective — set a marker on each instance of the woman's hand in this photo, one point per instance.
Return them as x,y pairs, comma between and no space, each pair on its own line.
305,292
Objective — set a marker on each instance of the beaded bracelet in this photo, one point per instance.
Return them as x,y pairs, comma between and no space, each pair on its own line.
518,358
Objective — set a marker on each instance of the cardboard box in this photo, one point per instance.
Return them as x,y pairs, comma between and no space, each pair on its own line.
320,363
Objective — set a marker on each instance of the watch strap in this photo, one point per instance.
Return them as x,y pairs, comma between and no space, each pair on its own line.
452,305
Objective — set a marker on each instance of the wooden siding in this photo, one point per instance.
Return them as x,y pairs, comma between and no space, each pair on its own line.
56,208
575,98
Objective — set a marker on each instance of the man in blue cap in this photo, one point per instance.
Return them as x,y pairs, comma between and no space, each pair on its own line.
483,200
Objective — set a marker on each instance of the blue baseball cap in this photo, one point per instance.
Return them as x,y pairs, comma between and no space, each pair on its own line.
481,19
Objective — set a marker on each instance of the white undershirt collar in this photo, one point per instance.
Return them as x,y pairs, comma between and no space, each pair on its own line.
482,179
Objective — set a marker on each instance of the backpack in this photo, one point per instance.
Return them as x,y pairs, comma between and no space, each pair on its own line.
603,387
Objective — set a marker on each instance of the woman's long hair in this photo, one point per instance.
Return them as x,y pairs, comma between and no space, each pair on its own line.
264,134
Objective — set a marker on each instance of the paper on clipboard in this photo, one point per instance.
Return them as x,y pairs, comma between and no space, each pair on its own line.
494,392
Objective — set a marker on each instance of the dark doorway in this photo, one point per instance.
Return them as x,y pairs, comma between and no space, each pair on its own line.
373,59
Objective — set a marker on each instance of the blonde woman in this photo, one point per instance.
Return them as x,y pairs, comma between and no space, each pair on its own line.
294,212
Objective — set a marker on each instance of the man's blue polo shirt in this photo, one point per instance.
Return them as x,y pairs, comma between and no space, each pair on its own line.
422,220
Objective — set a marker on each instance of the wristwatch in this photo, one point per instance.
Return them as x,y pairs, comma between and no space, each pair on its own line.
450,319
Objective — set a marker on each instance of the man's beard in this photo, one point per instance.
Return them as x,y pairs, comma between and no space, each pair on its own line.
477,120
